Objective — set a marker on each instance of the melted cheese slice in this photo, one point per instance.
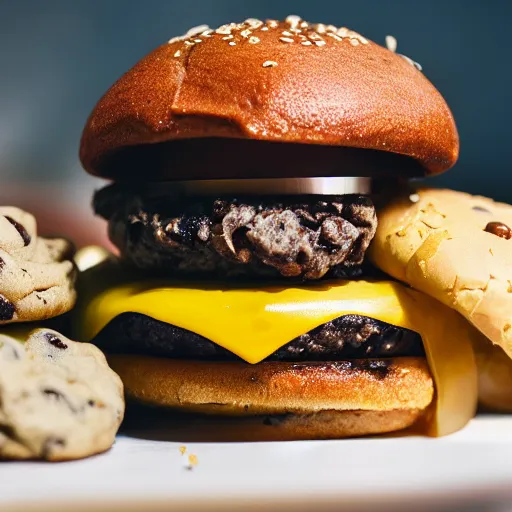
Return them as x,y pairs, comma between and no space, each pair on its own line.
254,323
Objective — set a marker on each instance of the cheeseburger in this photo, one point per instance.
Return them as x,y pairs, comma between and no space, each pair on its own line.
244,163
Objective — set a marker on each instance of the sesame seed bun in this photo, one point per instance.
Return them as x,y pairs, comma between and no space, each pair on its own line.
321,400
222,90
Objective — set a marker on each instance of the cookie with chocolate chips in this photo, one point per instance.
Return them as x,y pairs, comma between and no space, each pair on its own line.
455,247
59,400
37,276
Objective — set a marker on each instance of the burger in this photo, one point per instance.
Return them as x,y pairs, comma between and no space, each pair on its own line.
244,163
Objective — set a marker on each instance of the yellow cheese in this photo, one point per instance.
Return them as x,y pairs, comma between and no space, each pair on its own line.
253,323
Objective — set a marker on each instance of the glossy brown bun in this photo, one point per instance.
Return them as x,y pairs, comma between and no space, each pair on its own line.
494,376
277,82
320,400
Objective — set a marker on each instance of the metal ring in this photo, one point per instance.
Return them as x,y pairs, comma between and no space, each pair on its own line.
270,186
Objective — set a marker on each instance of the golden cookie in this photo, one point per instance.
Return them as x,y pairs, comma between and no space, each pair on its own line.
37,277
59,400
455,247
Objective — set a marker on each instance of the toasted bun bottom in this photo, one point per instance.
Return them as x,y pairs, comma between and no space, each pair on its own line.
278,400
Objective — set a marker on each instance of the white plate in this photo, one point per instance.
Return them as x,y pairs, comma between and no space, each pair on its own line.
471,467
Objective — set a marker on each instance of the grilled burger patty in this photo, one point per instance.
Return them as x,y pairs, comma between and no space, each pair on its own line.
346,337
307,237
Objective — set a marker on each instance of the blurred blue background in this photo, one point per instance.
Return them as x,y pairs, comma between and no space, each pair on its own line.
58,57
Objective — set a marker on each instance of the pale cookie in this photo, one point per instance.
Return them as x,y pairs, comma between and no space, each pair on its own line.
37,277
59,399
456,248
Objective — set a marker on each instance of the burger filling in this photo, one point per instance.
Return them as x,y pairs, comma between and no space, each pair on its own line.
305,237
344,338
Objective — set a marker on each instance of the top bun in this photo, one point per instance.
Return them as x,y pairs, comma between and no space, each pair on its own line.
272,81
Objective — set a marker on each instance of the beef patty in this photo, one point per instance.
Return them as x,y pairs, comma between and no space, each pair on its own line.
305,237
346,337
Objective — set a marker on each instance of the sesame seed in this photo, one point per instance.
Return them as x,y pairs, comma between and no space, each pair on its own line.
174,39
314,36
225,38
320,28
232,43
391,43
269,64
189,43
253,22
272,23
286,39
245,33
331,28
198,40
254,40
224,29
304,24
411,62
354,42
335,36
320,43
354,36
296,30
194,31
286,33
177,54
264,29
293,20
307,43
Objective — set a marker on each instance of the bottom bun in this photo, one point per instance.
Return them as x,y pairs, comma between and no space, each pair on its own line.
166,425
276,400
494,376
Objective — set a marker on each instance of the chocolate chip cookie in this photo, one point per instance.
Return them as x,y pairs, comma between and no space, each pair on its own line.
37,276
59,400
455,247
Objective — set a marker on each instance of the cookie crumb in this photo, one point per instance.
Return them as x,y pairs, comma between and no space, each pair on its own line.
192,461
183,450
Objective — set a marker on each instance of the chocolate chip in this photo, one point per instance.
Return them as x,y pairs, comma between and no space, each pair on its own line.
7,309
481,209
50,444
21,230
56,342
52,393
57,396
2,263
499,229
